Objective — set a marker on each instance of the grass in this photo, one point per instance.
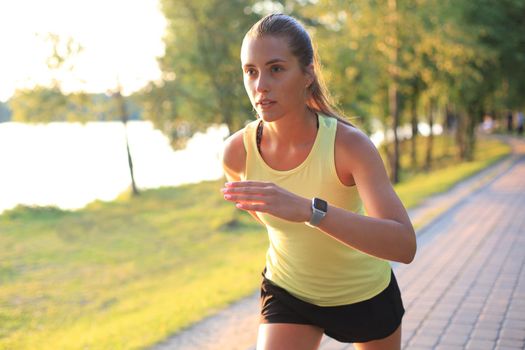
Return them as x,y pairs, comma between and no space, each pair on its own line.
125,274
418,184
128,273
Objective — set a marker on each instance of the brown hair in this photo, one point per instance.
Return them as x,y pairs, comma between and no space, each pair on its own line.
280,25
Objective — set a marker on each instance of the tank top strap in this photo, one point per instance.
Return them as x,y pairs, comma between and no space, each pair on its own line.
326,147
250,145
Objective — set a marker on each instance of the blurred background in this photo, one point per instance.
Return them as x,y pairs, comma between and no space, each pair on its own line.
112,118
79,80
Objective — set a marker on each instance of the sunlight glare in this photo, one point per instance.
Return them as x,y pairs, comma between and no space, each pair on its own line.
121,40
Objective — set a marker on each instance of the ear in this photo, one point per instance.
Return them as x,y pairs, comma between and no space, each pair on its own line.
310,75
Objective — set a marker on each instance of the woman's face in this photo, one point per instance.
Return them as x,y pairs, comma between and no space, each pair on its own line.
273,78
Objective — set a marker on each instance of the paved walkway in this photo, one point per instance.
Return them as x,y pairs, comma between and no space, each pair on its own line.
464,290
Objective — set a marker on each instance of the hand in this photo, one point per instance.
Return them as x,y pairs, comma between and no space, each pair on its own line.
266,197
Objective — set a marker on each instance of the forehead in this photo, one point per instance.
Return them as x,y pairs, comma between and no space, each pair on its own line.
258,51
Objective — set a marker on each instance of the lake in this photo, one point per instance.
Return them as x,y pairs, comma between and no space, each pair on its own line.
71,164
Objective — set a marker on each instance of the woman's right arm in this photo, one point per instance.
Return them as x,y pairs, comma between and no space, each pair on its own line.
234,161
234,157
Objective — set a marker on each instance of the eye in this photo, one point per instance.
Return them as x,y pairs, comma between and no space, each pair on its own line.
276,69
250,71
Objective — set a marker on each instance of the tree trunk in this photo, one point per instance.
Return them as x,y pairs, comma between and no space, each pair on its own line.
460,135
134,188
430,138
394,112
447,127
414,124
393,90
472,118
124,118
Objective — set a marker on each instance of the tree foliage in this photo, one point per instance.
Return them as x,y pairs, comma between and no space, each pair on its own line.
202,81
392,61
49,104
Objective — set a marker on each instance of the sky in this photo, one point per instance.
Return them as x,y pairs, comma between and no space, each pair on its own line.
120,39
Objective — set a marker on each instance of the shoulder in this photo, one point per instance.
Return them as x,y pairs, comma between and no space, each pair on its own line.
234,155
351,139
354,147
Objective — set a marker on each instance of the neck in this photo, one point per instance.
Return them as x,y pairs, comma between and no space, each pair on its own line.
292,130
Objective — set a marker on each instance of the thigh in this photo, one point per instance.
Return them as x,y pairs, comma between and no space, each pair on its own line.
392,342
286,336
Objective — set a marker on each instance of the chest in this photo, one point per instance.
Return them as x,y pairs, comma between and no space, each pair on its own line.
285,158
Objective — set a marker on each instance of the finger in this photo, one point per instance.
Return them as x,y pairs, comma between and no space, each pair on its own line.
234,184
252,207
241,190
244,198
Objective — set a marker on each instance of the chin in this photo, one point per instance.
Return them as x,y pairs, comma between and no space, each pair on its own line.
268,116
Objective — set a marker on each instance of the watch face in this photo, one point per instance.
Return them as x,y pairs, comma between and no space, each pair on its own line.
320,204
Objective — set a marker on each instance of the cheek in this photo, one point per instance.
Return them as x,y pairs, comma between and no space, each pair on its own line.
295,89
248,88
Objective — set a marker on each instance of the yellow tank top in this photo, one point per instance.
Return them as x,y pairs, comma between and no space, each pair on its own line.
305,261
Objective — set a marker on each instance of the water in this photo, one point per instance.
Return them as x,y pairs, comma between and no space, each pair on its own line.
70,164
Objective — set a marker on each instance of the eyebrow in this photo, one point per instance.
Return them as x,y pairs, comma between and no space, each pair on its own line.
272,61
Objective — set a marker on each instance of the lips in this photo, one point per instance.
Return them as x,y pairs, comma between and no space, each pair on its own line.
265,103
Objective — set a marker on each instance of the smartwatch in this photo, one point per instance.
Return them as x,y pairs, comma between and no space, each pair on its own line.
319,209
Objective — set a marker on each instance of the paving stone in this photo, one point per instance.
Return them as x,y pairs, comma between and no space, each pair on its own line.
514,324
480,344
468,318
514,334
460,328
453,338
433,322
503,342
332,344
481,325
449,347
424,340
485,334
493,318
515,315
430,331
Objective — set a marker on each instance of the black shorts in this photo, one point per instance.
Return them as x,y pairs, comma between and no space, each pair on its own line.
372,319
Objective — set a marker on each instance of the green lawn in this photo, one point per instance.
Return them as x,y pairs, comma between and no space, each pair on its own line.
128,273
447,172
125,274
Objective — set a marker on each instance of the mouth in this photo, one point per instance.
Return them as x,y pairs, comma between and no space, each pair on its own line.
265,104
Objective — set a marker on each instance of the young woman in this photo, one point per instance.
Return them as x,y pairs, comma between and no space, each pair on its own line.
308,176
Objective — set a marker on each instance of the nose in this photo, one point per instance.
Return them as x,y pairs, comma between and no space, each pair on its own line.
262,83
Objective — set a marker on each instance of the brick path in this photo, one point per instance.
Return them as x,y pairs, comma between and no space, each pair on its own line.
464,290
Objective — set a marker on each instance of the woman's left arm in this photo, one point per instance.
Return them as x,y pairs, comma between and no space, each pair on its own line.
386,232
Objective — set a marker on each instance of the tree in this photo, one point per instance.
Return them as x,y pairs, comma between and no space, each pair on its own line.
384,60
367,70
60,61
38,105
124,117
499,28
48,103
201,67
44,104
